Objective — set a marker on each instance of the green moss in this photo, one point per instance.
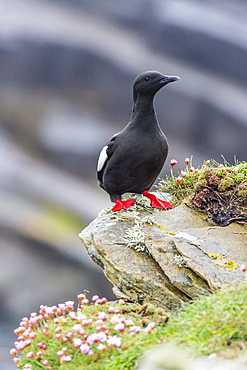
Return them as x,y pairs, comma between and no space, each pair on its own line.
220,177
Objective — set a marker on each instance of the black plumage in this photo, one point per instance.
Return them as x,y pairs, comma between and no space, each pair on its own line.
132,159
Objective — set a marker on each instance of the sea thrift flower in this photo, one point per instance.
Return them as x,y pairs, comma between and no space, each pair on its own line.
192,169
45,363
102,315
179,180
39,354
120,326
96,337
243,268
70,335
173,162
77,316
77,342
149,327
79,329
135,329
69,305
95,298
81,296
187,161
114,341
207,162
183,173
101,347
128,322
85,348
16,360
60,353
58,329
115,319
30,354
32,335
13,352
87,322
65,359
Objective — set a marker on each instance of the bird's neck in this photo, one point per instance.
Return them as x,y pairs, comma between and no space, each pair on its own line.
143,109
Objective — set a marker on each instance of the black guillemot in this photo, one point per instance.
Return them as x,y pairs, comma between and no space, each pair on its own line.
133,158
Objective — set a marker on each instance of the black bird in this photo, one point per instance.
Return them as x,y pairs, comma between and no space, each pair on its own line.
132,159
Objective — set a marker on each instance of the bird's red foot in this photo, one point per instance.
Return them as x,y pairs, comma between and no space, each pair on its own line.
122,204
156,202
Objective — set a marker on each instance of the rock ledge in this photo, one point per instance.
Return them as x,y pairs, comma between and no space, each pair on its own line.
187,255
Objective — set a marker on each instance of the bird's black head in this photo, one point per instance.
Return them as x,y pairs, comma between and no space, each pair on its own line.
148,83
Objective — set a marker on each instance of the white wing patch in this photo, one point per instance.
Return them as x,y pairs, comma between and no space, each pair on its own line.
102,158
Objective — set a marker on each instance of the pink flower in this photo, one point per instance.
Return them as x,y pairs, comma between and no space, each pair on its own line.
120,326
173,162
149,327
70,335
102,315
187,161
16,360
13,352
183,173
58,329
101,347
81,296
77,328
115,319
69,305
32,335
77,342
179,180
243,268
87,322
135,329
96,337
77,316
65,359
95,298
128,322
85,348
114,341
30,354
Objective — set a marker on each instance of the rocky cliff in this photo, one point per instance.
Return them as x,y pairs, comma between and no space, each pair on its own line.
165,257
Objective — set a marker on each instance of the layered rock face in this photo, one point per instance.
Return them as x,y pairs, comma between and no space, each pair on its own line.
165,257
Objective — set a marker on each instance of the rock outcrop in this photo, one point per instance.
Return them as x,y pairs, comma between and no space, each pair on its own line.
180,254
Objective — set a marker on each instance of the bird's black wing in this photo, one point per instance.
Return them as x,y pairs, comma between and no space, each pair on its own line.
104,157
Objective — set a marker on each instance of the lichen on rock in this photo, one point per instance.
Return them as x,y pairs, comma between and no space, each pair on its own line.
156,276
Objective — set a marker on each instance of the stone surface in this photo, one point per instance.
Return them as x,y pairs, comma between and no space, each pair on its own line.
187,255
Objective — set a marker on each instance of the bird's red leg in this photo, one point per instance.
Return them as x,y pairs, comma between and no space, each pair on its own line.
156,202
122,204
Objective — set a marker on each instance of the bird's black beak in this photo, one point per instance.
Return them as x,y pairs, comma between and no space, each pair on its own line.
167,79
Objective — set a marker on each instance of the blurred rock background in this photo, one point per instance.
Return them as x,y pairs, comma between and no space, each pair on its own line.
66,74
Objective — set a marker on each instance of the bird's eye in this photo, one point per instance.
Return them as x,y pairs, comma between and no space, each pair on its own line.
147,78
